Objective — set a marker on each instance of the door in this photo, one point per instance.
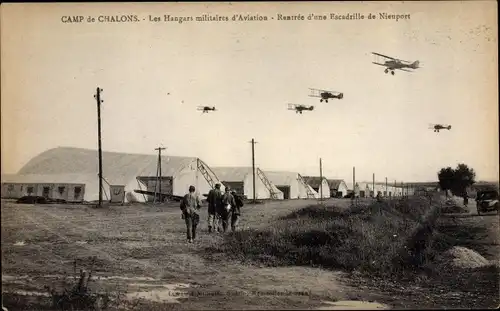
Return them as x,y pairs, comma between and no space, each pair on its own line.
238,187
285,190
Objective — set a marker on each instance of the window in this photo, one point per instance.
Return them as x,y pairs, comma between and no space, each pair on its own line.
29,190
46,191
61,190
78,191
10,187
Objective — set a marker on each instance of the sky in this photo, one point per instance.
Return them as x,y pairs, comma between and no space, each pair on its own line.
155,75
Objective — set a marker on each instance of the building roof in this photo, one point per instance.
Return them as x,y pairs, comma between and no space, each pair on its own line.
313,181
335,183
126,166
282,178
58,179
232,173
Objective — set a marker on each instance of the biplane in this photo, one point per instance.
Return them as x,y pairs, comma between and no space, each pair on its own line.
392,63
325,95
299,108
206,109
437,127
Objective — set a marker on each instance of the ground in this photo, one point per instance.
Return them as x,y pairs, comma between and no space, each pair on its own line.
142,252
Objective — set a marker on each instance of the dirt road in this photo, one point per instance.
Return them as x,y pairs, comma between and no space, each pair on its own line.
142,251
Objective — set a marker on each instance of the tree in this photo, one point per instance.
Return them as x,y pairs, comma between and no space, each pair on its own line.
464,178
446,177
456,180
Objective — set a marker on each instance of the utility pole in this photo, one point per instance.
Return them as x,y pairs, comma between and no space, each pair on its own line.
97,96
253,142
386,188
321,180
354,184
373,184
158,175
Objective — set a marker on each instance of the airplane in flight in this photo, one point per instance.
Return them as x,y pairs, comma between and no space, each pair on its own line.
392,64
206,109
300,108
325,95
437,127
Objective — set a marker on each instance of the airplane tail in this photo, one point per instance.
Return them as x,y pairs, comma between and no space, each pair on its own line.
449,127
415,64
311,108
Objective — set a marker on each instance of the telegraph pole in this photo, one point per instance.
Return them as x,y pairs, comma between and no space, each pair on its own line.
386,188
354,184
158,174
321,180
373,184
253,142
97,96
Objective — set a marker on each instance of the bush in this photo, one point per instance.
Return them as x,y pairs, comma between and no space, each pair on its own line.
369,238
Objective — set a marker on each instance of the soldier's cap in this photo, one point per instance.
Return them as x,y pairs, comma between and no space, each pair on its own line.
192,188
227,188
217,186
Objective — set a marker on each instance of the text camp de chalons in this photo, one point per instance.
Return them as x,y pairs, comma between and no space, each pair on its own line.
237,17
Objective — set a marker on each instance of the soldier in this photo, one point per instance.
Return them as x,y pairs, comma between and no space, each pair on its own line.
228,203
190,207
236,211
214,205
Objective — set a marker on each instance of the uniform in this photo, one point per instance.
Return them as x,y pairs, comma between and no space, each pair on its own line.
190,207
236,212
214,205
227,200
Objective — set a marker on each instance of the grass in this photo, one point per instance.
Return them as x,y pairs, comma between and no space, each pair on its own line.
371,238
303,245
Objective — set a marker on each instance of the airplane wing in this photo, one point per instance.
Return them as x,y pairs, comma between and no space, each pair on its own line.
384,56
292,106
164,195
315,92
379,64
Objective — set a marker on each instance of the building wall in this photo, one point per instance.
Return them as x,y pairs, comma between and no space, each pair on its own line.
190,176
303,189
261,191
326,189
294,188
18,190
343,188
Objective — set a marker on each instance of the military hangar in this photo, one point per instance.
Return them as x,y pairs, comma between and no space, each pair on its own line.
63,171
240,179
320,185
292,185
